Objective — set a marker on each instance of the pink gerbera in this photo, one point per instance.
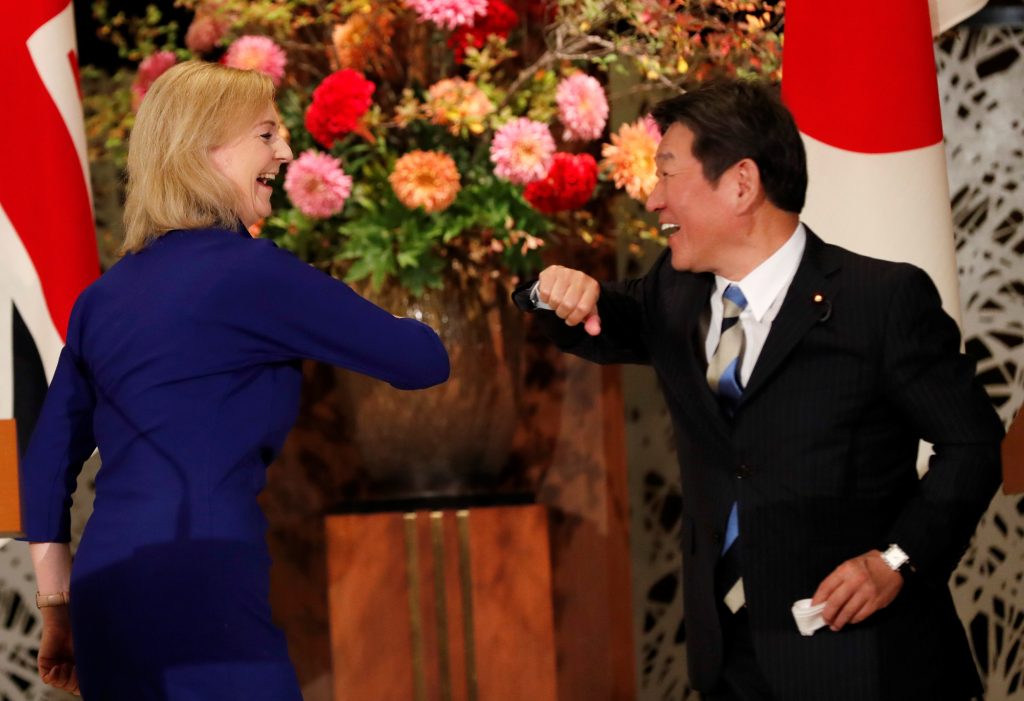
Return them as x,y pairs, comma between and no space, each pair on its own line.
582,107
151,68
257,53
449,14
317,185
522,151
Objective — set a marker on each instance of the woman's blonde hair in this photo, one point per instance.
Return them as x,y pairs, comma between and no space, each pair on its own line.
172,183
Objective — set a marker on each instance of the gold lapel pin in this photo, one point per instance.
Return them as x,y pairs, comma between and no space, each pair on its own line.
819,298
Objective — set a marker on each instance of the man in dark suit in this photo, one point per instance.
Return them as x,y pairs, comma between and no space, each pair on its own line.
800,379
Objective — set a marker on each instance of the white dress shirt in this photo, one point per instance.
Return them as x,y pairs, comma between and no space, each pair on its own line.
765,288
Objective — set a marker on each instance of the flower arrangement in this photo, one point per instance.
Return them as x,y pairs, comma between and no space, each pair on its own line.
441,137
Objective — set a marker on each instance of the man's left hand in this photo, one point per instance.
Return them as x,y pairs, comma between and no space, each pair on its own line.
856,589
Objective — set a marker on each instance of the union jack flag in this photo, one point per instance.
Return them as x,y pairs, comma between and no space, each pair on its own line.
47,236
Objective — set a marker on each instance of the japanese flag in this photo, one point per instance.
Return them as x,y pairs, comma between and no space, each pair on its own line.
866,102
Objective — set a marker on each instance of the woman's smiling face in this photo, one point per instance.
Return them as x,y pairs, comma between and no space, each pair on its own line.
251,161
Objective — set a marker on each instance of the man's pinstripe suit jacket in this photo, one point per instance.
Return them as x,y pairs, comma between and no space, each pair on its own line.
860,364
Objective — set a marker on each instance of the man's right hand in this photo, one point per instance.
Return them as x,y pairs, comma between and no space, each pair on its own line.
572,295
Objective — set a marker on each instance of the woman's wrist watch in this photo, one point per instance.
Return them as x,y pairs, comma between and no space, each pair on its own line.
61,598
897,559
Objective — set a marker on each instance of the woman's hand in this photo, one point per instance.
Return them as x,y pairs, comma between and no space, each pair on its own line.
56,660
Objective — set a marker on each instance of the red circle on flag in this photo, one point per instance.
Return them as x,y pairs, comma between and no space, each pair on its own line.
862,79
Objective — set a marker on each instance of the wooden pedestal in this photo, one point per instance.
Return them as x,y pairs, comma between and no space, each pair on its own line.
450,605
10,513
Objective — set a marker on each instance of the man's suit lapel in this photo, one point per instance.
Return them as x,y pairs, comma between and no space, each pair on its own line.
687,330
808,302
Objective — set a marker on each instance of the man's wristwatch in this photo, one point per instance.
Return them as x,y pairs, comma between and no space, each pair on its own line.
535,297
897,559
527,297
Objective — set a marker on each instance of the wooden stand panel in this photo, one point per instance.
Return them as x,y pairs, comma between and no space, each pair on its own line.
512,604
370,631
450,605
10,508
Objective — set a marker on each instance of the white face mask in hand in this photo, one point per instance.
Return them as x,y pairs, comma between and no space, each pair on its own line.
808,618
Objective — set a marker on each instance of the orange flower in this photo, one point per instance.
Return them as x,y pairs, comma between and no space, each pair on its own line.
630,157
459,104
427,179
360,37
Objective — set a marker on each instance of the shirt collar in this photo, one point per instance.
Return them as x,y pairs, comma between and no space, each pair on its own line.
763,285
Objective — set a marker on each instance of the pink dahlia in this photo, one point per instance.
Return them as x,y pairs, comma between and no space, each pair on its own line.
257,53
317,185
151,68
522,150
582,107
449,14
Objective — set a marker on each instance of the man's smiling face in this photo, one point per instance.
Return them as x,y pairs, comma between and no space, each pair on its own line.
696,214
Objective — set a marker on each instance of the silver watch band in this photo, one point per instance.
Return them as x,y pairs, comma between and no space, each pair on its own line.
897,560
535,297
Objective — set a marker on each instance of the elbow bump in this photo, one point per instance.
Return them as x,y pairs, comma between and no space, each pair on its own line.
437,366
441,365
428,375
437,371
446,372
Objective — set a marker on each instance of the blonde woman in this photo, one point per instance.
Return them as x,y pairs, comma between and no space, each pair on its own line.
182,367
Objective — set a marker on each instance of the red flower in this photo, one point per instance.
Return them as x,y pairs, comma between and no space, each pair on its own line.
339,102
500,20
569,184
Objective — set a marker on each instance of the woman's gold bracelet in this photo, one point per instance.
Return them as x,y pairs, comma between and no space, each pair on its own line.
59,599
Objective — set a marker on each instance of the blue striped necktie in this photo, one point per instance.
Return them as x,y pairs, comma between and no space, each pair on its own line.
724,375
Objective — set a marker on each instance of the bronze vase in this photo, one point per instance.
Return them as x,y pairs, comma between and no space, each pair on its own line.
454,438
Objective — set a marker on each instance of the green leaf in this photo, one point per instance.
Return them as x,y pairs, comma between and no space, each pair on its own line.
407,259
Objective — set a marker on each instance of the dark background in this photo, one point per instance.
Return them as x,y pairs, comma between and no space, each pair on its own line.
102,54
